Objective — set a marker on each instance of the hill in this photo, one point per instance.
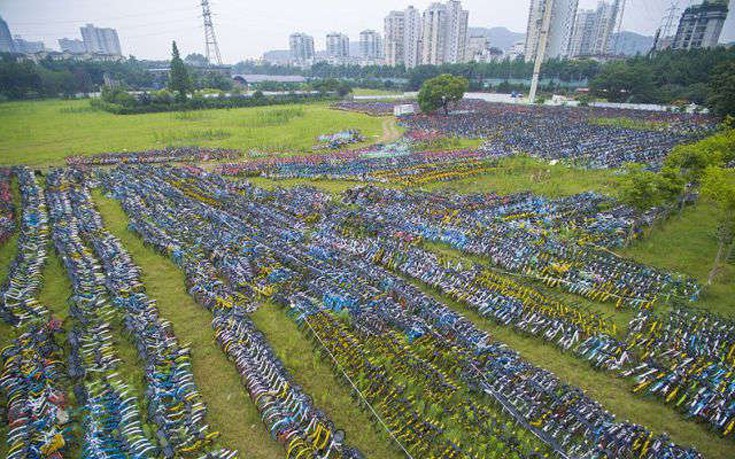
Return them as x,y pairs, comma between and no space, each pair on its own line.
500,37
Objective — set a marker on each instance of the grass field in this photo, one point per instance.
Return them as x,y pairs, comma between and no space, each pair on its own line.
45,132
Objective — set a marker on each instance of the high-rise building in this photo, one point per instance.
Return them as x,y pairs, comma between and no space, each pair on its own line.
434,36
412,29
563,14
477,49
371,46
301,47
584,30
7,45
338,46
593,29
98,40
444,36
72,46
457,18
393,35
516,50
700,25
28,47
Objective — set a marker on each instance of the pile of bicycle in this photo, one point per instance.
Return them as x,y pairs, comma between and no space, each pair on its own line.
554,241
345,270
222,280
392,163
570,134
108,294
339,140
429,378
7,214
166,155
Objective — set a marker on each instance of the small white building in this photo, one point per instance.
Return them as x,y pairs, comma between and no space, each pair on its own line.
403,110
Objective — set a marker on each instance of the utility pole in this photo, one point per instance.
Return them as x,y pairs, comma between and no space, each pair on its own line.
210,38
541,49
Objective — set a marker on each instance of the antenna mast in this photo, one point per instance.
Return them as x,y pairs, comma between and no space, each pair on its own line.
210,38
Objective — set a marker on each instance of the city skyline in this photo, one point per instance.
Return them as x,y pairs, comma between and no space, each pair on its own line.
246,31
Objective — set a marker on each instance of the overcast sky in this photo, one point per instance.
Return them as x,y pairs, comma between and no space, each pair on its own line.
247,28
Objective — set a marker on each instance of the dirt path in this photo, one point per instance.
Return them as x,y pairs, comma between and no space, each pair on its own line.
391,133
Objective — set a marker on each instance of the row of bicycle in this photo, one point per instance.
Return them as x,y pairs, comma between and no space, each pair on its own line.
509,303
33,371
181,205
684,357
166,155
218,283
526,236
108,292
559,412
7,215
439,445
525,308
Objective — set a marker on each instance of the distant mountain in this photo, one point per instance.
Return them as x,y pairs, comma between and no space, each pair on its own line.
499,37
630,43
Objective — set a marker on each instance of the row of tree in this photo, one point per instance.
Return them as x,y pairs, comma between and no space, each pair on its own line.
180,93
25,79
699,76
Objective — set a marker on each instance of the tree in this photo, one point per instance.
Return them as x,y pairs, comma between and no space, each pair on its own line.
722,89
440,91
719,185
196,60
693,159
625,82
179,81
644,189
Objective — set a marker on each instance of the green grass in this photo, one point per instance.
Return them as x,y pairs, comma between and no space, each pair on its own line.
44,132
522,173
688,244
315,375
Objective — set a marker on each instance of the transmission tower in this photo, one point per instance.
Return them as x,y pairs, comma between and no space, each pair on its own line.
210,38
669,20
